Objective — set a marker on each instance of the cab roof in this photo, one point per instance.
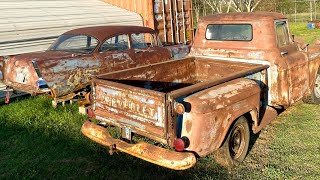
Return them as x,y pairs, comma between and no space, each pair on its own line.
244,16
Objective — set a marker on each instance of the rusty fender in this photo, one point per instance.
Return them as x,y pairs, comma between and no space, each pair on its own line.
151,153
314,63
214,110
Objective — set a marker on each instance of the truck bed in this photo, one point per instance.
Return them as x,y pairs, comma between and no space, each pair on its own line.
140,99
173,75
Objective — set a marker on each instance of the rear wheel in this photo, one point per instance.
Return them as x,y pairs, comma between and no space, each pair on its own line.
235,147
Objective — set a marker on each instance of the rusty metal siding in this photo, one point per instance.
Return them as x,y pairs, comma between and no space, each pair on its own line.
172,18
32,25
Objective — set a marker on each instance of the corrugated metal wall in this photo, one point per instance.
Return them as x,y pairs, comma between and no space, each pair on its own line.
32,25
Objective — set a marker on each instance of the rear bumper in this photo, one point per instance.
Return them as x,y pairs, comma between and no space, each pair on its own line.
151,153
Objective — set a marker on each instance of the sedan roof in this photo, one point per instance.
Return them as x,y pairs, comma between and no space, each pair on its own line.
103,32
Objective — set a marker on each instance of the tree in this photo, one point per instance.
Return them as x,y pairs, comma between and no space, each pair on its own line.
219,6
197,6
245,5
269,6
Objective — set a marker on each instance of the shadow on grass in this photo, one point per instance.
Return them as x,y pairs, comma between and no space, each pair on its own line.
253,139
33,151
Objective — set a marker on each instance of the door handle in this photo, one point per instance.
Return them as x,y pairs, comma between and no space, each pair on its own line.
284,53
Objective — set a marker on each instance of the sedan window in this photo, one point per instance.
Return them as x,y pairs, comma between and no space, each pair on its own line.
116,43
74,43
143,40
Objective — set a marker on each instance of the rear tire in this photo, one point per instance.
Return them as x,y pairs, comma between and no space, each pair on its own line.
235,147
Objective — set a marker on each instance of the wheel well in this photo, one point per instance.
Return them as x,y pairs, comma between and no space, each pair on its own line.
249,118
251,122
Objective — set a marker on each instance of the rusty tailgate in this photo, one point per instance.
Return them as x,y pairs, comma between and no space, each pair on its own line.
141,110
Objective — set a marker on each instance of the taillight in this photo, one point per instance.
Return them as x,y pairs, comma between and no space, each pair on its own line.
181,143
90,113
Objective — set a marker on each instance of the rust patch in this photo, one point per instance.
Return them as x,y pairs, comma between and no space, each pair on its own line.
188,126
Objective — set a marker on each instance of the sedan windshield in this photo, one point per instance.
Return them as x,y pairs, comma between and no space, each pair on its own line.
74,43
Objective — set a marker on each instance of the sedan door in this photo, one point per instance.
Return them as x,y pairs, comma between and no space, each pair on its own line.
115,54
148,49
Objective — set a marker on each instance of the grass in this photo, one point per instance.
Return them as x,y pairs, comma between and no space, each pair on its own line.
300,29
37,141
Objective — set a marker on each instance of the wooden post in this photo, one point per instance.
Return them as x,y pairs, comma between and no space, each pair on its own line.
310,10
295,11
315,9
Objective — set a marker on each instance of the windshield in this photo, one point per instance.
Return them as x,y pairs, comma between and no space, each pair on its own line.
74,43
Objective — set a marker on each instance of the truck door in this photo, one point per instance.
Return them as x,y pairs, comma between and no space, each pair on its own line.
115,54
296,60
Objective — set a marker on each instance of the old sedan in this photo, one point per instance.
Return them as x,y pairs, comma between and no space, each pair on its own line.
66,68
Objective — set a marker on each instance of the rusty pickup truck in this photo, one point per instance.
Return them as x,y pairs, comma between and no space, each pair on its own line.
242,69
65,69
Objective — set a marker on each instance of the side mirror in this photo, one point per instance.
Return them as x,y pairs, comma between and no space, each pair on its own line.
304,48
293,37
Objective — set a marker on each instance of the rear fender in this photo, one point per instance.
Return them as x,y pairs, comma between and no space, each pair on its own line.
314,63
214,110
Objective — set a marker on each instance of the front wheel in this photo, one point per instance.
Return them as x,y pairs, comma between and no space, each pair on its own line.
315,95
235,147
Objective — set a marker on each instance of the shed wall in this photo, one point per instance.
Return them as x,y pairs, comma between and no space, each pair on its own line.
32,25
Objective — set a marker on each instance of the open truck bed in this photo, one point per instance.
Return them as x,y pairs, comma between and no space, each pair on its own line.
138,98
141,101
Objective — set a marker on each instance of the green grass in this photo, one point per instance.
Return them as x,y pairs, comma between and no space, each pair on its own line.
296,148
300,29
37,141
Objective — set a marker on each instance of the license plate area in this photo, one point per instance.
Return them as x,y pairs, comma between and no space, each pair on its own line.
21,77
126,133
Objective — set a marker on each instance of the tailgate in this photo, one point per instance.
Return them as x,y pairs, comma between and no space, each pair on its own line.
141,110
